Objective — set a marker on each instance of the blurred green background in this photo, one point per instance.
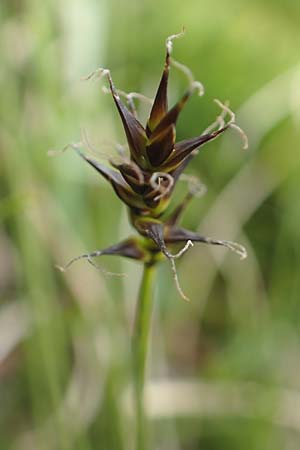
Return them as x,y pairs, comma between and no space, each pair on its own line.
224,369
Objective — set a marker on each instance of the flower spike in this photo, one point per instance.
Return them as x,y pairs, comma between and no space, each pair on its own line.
130,248
185,148
161,145
121,187
135,133
155,231
145,178
175,235
160,104
130,96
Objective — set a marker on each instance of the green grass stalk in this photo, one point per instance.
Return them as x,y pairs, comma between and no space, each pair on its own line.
140,345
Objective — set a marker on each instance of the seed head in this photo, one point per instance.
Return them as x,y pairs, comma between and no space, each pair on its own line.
145,180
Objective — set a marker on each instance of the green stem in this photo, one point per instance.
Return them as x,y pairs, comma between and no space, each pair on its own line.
140,344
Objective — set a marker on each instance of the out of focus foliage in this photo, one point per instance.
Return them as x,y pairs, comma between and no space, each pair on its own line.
224,371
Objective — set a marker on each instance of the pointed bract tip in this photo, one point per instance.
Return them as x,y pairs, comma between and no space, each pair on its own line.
96,74
177,283
198,86
224,106
74,146
242,134
236,248
169,40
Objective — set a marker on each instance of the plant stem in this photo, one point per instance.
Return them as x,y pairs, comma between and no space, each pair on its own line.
140,344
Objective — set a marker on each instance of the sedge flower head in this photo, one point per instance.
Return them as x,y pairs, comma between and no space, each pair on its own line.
145,179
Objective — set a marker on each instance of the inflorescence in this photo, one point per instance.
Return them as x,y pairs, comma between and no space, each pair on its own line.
145,179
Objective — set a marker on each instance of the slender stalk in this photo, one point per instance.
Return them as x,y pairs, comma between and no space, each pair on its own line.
140,344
